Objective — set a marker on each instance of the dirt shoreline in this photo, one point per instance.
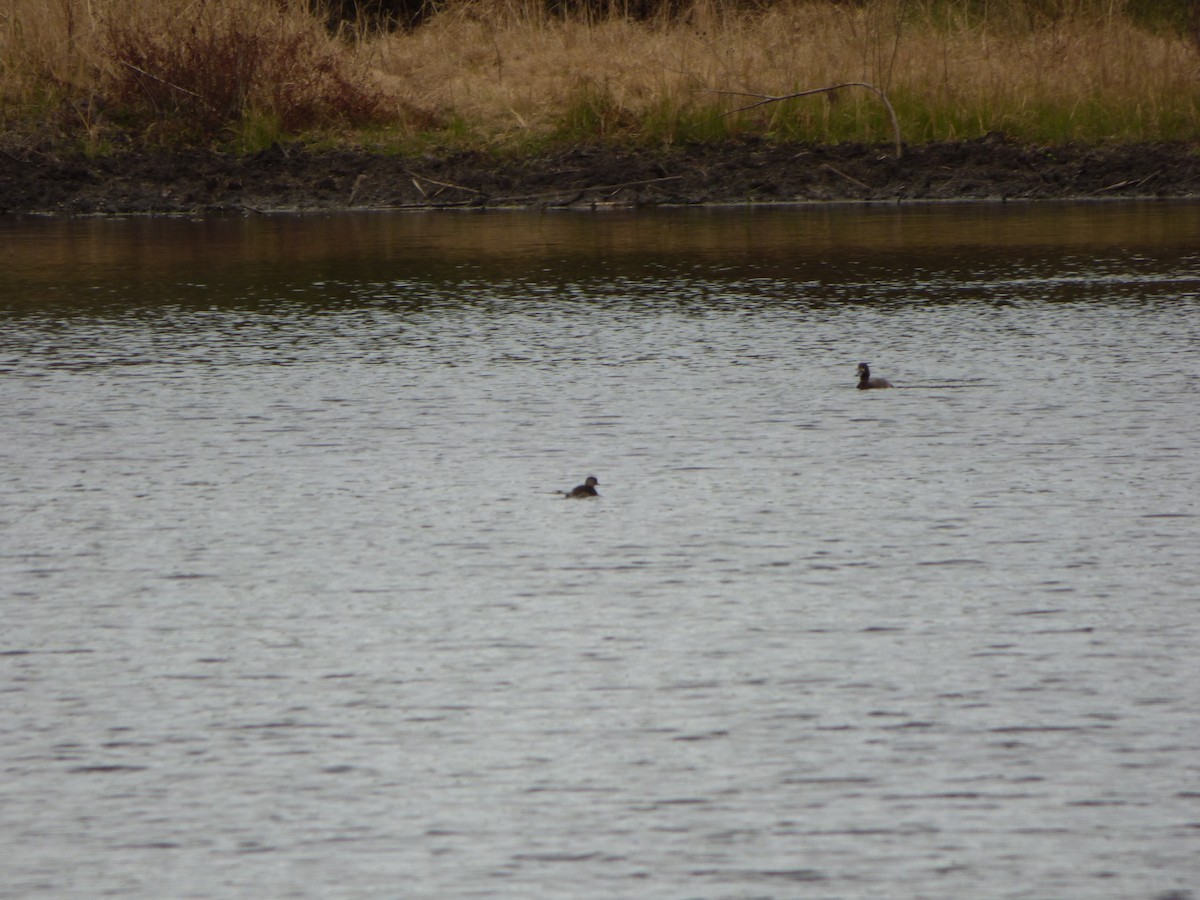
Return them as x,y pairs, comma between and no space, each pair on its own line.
298,179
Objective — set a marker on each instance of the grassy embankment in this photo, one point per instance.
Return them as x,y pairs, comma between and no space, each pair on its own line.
102,74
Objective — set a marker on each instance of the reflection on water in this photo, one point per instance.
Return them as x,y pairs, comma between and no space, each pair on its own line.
292,608
252,260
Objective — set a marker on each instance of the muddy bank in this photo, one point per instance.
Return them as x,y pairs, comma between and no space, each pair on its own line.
298,179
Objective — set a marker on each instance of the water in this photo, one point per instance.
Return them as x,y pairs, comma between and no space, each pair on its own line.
291,609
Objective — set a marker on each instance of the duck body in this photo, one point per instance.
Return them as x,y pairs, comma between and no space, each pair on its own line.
583,491
866,381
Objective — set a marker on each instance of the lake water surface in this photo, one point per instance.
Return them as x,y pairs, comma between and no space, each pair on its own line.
291,608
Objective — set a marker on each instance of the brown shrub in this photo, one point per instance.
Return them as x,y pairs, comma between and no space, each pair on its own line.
200,68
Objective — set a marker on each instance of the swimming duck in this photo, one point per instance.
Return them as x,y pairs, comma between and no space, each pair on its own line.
583,491
865,381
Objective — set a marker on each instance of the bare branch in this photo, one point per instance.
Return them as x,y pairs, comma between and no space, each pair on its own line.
169,84
764,99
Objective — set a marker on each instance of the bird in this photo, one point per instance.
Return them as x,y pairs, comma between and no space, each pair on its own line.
583,491
865,381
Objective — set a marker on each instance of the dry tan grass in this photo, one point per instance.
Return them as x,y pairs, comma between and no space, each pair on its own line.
505,73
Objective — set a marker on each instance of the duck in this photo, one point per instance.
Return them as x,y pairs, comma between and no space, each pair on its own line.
866,381
583,491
